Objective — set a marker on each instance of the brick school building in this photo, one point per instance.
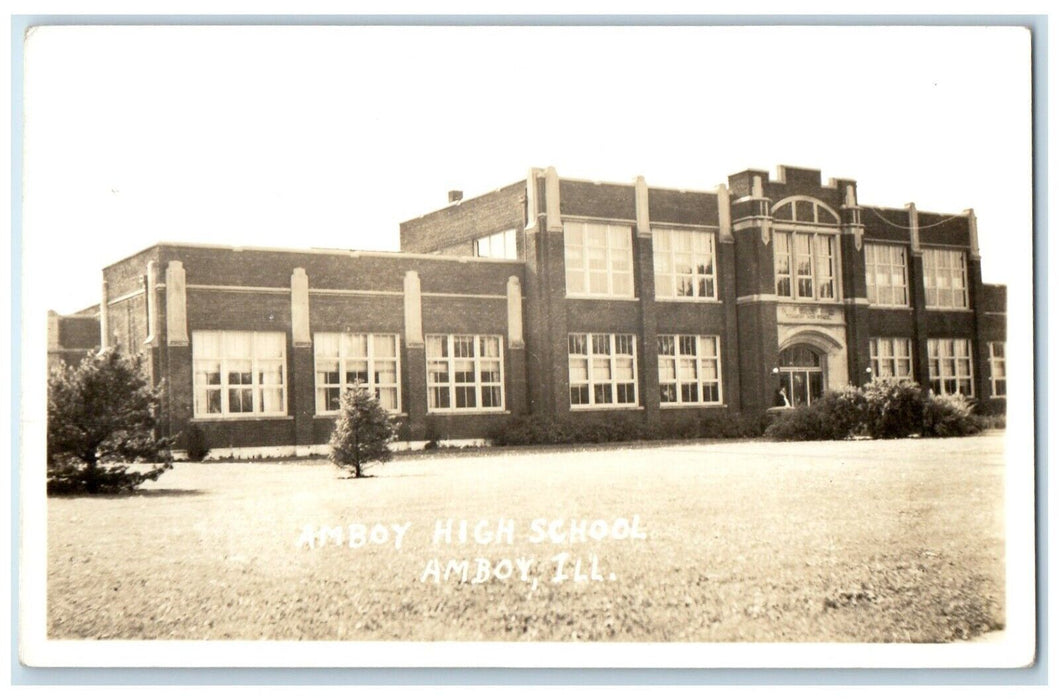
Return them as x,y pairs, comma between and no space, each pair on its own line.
562,298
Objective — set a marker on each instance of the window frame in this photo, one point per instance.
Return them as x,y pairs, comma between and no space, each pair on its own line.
256,387
938,377
700,360
997,375
590,357
936,260
343,359
508,244
665,265
455,388
874,266
791,234
585,270
891,358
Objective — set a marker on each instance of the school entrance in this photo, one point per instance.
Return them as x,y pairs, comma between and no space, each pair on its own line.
801,373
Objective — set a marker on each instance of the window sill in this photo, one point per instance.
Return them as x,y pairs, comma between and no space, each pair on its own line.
949,308
890,307
600,297
605,407
334,414
689,300
243,417
671,406
468,412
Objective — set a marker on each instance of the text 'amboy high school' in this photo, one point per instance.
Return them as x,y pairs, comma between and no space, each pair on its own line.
562,298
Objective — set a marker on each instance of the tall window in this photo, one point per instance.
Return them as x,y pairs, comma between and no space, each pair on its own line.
689,369
239,373
950,366
464,373
602,369
886,269
891,357
804,265
804,251
945,273
346,359
598,259
684,264
499,245
997,370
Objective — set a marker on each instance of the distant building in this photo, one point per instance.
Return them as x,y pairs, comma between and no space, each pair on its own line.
563,298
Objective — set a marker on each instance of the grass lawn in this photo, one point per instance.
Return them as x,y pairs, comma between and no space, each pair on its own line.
888,541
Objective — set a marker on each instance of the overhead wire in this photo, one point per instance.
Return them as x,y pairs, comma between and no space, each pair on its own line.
909,228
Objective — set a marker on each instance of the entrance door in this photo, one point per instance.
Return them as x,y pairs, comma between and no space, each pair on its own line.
801,372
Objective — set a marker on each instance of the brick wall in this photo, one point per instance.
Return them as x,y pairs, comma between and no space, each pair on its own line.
459,223
249,289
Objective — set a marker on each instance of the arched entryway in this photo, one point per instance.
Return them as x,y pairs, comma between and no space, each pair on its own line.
801,374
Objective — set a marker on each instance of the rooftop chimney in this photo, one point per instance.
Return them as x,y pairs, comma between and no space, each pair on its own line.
455,196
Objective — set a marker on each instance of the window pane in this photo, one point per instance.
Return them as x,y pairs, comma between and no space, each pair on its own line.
387,398
603,393
601,344
439,397
326,344
490,372
236,345
272,400
206,344
385,345
357,372
464,372
437,346
577,344
269,345
385,372
438,372
490,346
463,346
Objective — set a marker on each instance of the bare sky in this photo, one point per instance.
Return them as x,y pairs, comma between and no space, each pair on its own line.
331,136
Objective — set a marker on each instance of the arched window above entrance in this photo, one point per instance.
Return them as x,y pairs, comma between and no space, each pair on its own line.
799,356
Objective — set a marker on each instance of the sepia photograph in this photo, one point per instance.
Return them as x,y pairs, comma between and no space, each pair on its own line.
466,345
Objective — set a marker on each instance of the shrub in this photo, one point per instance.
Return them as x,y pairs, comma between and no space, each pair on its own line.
363,431
836,415
540,430
802,423
103,419
894,408
843,413
950,416
197,446
528,430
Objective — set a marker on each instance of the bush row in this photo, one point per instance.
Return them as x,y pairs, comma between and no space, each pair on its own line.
540,430
881,409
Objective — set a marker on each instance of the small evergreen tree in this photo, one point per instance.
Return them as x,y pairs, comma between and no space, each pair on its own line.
363,431
102,418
